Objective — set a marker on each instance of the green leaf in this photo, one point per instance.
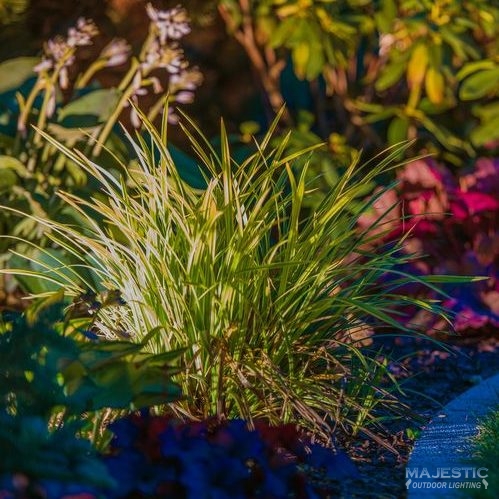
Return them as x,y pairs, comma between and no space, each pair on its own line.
249,127
386,15
16,71
189,170
480,84
390,75
316,62
284,30
487,111
300,55
435,86
397,130
7,179
485,132
473,67
33,311
11,163
418,62
387,112
100,103
69,136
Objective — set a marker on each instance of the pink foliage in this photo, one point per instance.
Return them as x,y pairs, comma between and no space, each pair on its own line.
450,225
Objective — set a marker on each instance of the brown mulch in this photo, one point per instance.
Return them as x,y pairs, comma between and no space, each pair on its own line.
431,378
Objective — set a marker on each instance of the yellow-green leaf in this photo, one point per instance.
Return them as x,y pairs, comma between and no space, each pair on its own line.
480,84
435,85
301,53
416,69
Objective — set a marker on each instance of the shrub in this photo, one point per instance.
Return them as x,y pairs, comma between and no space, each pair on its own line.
50,380
273,310
31,392
379,72
449,224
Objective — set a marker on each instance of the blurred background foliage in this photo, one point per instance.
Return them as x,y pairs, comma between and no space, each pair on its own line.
375,72
353,74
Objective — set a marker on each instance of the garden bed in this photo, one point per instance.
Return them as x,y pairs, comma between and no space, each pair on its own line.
434,377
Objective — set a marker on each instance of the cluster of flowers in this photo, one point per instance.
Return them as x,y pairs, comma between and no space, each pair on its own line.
161,51
451,226
161,56
157,456
59,51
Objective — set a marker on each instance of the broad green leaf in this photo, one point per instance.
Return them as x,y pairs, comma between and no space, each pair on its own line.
480,84
486,111
69,136
288,10
41,304
316,62
100,103
75,172
189,170
485,132
7,179
386,15
11,163
390,75
473,67
397,130
249,127
52,263
382,115
15,71
462,49
442,134
283,31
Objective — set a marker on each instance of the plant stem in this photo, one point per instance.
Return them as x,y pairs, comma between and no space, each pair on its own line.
84,79
267,66
127,89
28,104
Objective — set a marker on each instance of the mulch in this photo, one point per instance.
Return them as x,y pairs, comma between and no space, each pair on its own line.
431,377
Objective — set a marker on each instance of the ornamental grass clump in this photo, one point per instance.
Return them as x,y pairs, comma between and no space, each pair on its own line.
273,309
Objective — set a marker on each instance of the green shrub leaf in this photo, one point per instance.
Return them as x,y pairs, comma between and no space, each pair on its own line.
100,103
480,84
14,72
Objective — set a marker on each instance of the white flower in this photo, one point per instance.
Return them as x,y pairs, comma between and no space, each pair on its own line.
116,52
170,24
82,34
64,77
184,97
186,79
172,117
56,48
44,65
50,109
163,56
59,52
386,42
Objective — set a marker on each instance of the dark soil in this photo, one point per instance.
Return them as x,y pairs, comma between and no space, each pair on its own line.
430,379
